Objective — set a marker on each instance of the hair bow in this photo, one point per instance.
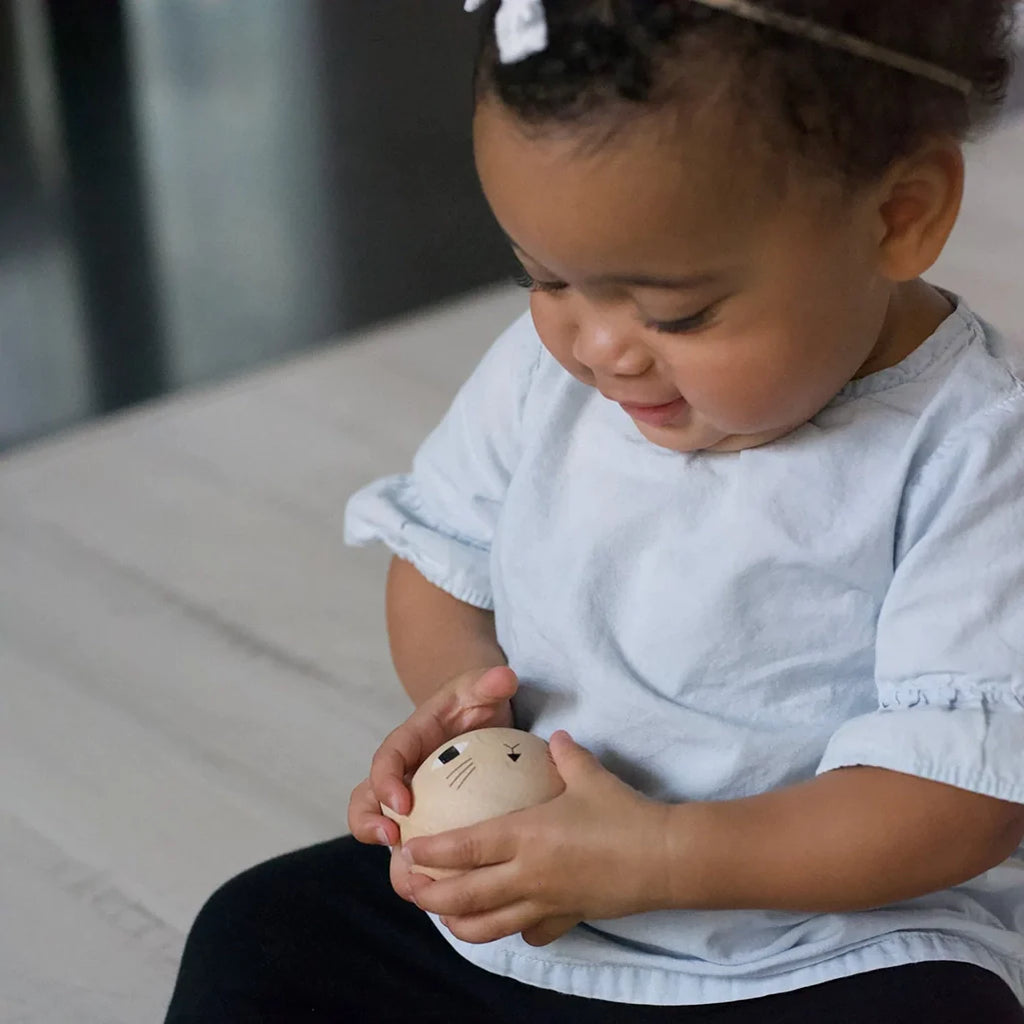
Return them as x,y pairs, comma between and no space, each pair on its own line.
520,28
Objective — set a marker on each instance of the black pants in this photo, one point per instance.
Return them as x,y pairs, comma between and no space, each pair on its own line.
319,936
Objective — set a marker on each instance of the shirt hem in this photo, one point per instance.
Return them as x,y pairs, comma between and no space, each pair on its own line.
652,986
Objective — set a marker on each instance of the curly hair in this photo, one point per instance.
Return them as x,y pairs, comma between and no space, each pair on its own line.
844,114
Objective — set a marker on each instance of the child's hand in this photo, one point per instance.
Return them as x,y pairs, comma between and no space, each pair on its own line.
474,700
593,852
364,815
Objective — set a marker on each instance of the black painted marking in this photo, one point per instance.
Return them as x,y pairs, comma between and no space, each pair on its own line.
456,773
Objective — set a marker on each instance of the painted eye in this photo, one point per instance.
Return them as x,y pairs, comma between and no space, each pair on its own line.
448,755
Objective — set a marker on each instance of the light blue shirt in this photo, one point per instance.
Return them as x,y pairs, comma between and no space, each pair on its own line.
718,625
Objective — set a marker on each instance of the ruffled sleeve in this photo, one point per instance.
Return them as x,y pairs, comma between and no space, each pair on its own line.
950,639
441,517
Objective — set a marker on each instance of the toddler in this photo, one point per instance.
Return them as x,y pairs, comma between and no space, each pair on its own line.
734,517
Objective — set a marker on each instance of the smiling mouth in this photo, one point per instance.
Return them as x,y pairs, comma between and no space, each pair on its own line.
655,415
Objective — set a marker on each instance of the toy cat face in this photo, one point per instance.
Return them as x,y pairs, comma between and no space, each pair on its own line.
476,776
493,756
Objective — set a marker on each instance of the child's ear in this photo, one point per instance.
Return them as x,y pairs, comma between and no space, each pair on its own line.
919,201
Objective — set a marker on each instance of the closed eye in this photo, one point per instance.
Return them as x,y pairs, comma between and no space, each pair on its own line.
687,325
526,280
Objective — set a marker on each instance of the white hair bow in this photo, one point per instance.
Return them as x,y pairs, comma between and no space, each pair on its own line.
520,28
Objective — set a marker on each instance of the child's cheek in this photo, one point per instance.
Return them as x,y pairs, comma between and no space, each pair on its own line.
557,327
554,323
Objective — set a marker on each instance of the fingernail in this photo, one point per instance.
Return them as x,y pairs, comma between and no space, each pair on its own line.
406,854
383,837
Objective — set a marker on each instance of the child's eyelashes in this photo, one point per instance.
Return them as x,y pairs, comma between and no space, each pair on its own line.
526,280
686,325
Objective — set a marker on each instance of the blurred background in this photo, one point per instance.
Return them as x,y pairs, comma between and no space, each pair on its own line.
191,187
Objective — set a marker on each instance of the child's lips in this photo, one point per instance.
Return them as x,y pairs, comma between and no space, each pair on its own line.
655,415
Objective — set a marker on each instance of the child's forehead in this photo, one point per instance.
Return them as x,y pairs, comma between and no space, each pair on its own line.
649,197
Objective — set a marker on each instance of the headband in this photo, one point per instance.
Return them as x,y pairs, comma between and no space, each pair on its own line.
521,29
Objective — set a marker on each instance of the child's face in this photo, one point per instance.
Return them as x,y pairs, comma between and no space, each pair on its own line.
760,303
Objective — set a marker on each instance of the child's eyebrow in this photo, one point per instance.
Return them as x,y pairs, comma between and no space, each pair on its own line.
690,281
644,281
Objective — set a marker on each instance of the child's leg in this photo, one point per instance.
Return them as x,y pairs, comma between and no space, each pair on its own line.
319,936
925,993
316,935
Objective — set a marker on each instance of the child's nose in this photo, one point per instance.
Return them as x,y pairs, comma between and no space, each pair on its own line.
610,350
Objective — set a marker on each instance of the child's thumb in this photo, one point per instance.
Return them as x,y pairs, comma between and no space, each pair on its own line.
572,761
496,684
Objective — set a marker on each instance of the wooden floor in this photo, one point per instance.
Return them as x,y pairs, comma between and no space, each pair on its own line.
192,666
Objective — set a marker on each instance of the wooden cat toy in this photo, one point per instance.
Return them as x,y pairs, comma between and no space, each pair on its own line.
476,776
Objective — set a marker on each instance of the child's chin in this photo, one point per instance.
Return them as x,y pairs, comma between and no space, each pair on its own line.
685,440
691,439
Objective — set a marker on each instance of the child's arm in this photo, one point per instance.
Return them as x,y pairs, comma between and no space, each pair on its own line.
851,839
433,636
445,653
440,520
848,840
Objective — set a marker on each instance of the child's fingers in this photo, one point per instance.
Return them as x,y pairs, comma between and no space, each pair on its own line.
493,687
548,930
494,924
365,821
398,756
401,877
405,748
490,842
462,895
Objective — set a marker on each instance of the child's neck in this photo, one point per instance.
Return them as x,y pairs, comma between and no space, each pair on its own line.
915,312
